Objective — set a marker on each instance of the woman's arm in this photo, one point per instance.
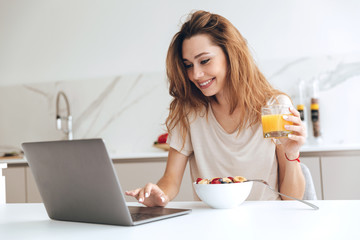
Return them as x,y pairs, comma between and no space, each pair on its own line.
167,187
171,181
291,178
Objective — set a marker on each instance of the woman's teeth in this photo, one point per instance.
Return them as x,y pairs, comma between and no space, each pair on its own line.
205,83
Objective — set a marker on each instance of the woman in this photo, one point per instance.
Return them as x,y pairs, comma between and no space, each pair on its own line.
215,116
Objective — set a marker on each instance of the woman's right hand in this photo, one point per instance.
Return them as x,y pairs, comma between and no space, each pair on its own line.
151,195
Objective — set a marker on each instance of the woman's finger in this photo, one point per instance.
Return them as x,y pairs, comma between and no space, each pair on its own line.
294,111
133,193
160,194
141,196
148,189
150,195
299,139
294,119
163,199
296,128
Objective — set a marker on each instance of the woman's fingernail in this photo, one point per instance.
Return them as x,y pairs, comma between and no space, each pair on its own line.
162,199
141,200
290,135
287,126
146,195
285,117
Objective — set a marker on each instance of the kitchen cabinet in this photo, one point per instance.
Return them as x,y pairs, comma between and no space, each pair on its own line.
15,183
20,185
340,177
334,172
313,163
132,173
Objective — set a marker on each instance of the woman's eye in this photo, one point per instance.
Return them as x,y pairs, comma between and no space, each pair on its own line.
187,65
205,61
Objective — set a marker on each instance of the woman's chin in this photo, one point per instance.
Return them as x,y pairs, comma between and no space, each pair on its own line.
208,92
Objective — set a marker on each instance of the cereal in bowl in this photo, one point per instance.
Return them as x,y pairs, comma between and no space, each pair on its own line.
217,180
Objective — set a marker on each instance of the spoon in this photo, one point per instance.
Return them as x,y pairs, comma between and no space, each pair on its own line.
264,182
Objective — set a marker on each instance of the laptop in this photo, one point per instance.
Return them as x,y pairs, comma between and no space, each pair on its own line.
77,182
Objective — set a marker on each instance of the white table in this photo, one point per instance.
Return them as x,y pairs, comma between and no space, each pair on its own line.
251,220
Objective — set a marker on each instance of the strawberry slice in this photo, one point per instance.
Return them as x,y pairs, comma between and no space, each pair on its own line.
162,138
215,181
198,180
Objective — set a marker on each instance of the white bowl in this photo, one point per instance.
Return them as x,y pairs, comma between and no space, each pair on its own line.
224,195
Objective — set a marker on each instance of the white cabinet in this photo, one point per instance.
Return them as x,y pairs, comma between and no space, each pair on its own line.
133,173
340,176
335,176
313,163
20,185
335,173
15,183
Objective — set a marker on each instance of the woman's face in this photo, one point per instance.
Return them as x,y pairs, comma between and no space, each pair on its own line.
205,64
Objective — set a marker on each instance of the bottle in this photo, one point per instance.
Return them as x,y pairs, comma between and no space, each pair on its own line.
315,117
315,111
301,105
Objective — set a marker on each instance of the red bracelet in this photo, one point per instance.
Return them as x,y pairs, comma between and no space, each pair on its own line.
296,159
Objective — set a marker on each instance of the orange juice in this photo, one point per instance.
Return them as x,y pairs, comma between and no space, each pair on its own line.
273,126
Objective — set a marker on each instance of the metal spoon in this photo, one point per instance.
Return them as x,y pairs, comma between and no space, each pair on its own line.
264,182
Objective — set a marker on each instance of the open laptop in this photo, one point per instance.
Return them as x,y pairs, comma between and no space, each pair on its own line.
77,182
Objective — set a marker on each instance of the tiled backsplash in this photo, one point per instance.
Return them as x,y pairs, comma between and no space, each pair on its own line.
129,111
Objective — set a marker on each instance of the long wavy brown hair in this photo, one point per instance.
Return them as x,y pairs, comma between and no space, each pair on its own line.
247,87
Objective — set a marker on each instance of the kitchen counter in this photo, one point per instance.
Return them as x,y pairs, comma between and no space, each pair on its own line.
330,147
162,156
251,220
330,150
129,157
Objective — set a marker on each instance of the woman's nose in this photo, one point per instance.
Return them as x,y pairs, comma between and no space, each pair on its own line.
198,72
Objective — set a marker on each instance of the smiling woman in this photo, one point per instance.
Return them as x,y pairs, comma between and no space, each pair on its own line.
214,120
205,64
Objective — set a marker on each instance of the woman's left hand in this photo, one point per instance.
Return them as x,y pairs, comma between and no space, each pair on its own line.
297,138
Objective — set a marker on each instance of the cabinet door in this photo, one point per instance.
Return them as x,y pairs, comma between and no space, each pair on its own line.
341,177
20,185
313,163
15,184
137,174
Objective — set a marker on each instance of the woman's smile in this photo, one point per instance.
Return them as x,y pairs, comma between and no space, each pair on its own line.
206,84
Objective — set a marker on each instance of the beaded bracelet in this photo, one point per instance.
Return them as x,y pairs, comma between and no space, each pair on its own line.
296,159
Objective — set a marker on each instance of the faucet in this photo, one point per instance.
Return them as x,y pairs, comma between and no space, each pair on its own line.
68,118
